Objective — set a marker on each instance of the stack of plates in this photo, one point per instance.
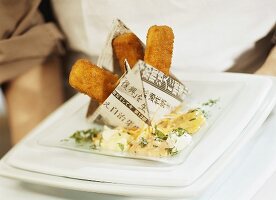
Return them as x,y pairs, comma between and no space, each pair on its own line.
245,101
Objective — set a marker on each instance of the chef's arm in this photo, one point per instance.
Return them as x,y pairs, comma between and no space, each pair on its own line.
30,65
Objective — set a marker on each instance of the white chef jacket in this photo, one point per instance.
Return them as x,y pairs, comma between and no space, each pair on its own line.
210,35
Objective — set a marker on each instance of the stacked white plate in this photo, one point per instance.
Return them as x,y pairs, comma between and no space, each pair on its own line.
245,101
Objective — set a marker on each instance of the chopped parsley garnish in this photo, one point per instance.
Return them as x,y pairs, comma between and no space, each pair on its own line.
191,111
85,135
180,131
192,119
121,146
143,142
172,151
204,113
199,110
93,146
210,102
159,134
194,110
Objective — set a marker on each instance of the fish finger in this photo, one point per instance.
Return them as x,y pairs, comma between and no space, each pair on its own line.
127,46
92,80
159,48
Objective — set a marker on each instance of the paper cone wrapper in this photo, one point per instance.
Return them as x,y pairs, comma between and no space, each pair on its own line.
143,95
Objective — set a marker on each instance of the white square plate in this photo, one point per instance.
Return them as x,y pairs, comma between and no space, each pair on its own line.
240,96
190,192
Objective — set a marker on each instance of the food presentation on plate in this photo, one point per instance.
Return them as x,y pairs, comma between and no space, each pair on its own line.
141,124
142,111
137,100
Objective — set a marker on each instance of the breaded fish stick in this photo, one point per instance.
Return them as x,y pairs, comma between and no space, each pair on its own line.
127,46
89,79
159,48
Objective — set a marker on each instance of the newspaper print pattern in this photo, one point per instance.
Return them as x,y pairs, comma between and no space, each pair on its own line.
126,106
135,101
164,83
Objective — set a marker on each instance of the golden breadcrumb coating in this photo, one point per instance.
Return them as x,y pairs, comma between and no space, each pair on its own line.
128,46
92,80
159,48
